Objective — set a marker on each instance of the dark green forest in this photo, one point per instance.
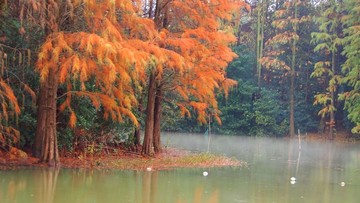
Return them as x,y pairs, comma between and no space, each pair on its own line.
297,70
325,72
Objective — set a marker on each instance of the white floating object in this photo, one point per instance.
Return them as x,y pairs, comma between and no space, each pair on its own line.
292,182
342,184
205,173
148,168
293,179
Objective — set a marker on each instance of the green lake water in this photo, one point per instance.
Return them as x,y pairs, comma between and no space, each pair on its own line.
319,169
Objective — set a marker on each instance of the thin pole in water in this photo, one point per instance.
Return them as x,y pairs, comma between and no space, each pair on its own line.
299,155
209,131
299,136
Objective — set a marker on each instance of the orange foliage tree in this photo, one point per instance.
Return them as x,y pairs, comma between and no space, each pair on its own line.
196,36
10,57
183,44
113,51
9,105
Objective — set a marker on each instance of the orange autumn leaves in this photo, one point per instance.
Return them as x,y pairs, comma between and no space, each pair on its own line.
8,106
201,37
119,47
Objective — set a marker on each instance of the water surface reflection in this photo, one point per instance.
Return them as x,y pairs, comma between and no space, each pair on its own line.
319,168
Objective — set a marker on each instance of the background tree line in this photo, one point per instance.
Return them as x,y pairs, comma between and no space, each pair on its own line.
298,68
163,64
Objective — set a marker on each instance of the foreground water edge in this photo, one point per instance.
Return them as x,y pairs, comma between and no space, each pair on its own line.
320,168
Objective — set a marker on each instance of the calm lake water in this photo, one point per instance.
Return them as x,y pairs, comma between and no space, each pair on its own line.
319,169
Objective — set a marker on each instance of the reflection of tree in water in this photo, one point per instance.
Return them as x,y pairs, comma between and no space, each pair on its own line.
198,197
149,187
147,191
46,185
28,186
13,187
149,184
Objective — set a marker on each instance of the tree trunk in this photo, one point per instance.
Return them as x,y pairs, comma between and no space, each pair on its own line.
147,148
45,138
157,119
45,146
292,104
151,6
136,140
261,50
322,126
137,136
157,18
292,79
260,38
41,121
332,104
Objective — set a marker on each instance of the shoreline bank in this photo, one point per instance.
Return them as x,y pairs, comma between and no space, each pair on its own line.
170,158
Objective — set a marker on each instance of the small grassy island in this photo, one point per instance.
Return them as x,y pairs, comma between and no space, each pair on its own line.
169,158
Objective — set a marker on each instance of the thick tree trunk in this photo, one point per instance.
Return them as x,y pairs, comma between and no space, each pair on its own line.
41,121
147,148
136,140
157,120
45,147
137,136
45,138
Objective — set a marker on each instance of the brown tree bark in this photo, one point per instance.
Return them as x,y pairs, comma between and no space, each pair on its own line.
41,121
46,139
136,146
137,136
147,148
157,119
45,147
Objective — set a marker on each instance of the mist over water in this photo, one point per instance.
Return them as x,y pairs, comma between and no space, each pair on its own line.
319,167
249,149
323,172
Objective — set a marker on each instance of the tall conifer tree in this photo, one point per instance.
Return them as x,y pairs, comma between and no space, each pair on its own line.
328,41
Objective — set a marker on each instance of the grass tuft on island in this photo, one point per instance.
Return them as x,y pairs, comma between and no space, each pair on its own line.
169,158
